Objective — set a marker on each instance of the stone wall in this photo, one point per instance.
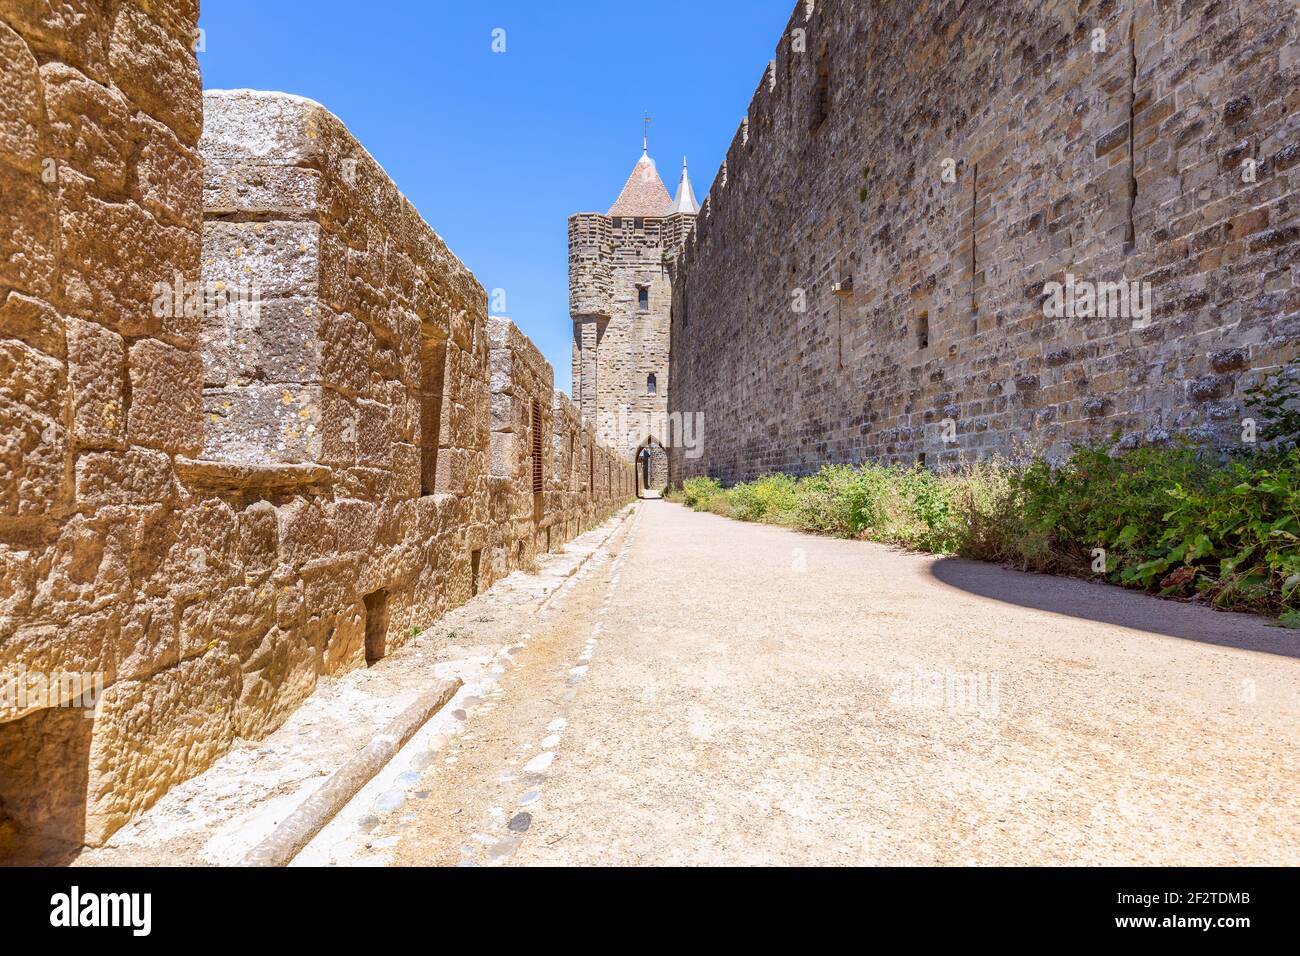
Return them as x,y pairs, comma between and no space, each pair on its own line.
539,441
205,507
867,278
100,116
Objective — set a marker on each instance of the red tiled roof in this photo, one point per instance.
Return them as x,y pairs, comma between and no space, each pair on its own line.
644,193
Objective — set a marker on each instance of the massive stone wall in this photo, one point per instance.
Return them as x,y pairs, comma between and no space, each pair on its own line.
940,163
208,507
100,117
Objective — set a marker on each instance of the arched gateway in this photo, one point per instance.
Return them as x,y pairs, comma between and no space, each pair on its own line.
651,469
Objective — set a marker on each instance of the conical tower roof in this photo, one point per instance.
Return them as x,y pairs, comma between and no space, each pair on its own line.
644,194
685,199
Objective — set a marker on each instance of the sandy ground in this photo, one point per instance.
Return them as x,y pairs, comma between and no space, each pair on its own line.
716,692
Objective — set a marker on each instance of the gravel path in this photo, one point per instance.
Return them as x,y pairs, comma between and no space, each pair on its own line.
726,693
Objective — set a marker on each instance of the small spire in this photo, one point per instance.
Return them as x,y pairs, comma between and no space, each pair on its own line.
645,136
685,200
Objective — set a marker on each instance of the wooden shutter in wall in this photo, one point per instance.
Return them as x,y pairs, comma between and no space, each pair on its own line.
537,448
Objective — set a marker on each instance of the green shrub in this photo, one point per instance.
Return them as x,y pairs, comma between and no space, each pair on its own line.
841,500
1276,405
719,505
696,492
1179,520
985,513
1098,500
771,498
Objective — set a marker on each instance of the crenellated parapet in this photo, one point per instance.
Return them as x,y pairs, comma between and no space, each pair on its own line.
590,265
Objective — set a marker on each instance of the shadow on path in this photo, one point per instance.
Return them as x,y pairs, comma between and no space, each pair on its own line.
1110,604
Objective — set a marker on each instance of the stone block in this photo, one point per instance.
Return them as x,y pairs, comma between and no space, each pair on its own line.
28,232
345,349
166,398
259,538
21,114
374,434
58,666
278,259
263,423
29,377
278,675
151,734
97,372
88,125
305,532
157,70
406,461
168,173
148,640
33,322
71,31
260,189
503,456
116,260
33,455
133,476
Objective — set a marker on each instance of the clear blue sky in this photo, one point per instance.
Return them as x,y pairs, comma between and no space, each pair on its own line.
497,150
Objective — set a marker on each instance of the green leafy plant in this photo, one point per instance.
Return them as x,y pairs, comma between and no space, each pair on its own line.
771,498
1179,520
696,492
1276,404
841,500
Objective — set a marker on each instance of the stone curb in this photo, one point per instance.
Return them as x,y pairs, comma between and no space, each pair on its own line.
310,817
299,828
615,521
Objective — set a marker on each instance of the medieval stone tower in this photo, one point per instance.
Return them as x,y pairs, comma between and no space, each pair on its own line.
620,300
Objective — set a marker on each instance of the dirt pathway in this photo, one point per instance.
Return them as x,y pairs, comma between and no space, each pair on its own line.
718,692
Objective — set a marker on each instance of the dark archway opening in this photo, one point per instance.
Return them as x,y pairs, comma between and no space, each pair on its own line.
651,469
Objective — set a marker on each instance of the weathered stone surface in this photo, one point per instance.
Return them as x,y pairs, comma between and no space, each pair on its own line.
185,713
263,423
43,651
88,126
346,451
157,70
166,403
33,452
116,257
32,321
28,231
169,175
278,258
134,476
21,111
30,377
97,370
258,189
986,176
71,31
147,641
